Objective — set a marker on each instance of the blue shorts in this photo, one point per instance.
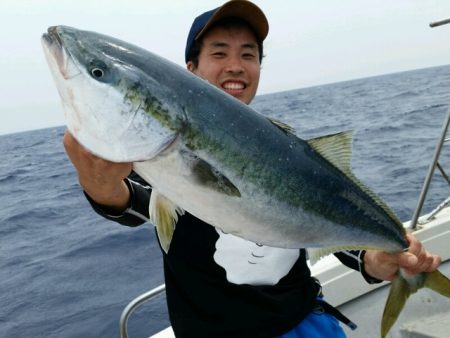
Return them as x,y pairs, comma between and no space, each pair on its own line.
316,325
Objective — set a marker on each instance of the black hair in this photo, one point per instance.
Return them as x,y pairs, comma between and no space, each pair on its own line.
225,22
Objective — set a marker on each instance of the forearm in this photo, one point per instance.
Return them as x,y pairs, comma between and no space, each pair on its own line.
114,200
106,186
136,212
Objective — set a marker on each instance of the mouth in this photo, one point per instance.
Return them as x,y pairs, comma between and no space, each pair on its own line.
55,51
52,37
234,87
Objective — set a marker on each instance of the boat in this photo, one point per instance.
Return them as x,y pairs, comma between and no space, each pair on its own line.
426,314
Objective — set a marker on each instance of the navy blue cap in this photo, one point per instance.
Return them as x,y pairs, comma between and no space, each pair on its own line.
242,9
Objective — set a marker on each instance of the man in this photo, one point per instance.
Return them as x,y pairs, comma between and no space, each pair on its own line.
219,285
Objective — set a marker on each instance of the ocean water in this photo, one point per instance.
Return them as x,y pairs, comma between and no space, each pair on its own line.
66,272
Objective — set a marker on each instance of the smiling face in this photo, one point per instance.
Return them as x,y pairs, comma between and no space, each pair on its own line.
229,60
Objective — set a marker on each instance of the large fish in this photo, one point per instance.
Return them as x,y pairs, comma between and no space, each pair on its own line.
204,152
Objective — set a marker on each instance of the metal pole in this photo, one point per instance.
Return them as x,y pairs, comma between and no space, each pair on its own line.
440,22
437,152
426,184
133,305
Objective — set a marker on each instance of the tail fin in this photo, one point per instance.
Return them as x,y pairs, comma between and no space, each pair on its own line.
402,287
436,281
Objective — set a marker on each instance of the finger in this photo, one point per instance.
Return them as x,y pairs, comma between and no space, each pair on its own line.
68,140
428,264
435,264
425,260
422,255
415,246
406,260
415,256
72,146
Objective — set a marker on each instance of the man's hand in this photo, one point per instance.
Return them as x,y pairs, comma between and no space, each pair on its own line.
384,266
102,180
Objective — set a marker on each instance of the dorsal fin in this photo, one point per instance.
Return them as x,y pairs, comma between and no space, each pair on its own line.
337,149
283,126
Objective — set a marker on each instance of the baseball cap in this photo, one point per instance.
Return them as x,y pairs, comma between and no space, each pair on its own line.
242,9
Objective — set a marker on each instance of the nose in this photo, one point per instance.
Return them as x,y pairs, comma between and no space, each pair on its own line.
235,65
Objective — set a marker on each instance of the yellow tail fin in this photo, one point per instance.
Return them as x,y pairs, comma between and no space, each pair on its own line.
402,287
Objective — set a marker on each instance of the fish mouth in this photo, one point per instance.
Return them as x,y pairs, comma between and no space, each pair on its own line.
57,53
52,37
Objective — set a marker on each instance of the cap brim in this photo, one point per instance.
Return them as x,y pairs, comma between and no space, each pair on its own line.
243,9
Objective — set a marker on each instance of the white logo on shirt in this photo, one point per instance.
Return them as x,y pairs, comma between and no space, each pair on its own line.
246,262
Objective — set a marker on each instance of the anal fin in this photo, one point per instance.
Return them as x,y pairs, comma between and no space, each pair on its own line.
315,254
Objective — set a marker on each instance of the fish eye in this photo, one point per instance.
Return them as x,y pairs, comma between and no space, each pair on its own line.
98,73
99,70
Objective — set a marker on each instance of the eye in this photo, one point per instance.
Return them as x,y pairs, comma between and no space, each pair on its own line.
98,73
248,56
218,54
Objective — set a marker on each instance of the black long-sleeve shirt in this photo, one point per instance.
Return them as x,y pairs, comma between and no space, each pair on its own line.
218,285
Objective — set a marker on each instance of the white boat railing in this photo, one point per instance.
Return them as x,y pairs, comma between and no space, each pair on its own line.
126,313
128,310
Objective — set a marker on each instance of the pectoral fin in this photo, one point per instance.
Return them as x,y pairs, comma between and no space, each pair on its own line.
164,215
206,175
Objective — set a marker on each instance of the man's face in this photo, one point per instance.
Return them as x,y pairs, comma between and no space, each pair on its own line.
229,60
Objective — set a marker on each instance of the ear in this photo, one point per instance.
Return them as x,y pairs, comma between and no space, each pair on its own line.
190,66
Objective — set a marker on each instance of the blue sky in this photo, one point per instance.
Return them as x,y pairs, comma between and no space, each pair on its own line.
309,43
